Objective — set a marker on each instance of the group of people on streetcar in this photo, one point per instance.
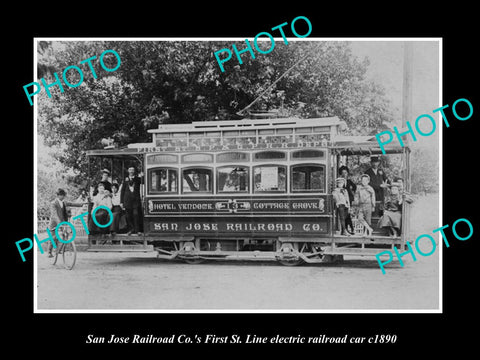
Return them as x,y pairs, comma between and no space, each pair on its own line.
123,199
374,193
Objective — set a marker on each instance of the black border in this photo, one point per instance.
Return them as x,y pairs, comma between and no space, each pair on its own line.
455,328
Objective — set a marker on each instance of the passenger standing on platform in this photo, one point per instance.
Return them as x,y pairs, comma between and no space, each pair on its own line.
342,203
104,180
365,202
377,181
392,216
103,198
116,209
351,188
130,201
407,197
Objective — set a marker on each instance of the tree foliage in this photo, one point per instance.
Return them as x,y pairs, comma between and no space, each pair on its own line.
424,171
180,82
52,175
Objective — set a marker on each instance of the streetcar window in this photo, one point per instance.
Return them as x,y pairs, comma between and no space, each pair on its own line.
214,134
285,131
248,133
162,135
308,178
196,158
162,159
266,132
232,156
179,135
197,180
303,130
303,154
270,178
232,179
162,181
196,134
322,129
270,155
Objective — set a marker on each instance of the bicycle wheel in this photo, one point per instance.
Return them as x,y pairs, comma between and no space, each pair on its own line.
55,255
69,255
59,249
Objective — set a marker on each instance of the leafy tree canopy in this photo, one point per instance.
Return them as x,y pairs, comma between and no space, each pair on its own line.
180,82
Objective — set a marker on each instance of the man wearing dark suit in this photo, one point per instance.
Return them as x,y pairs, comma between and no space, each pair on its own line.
377,181
58,214
131,201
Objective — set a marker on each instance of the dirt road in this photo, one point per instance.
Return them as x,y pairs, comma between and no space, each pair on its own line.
112,281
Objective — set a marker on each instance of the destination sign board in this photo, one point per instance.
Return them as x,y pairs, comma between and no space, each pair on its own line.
316,205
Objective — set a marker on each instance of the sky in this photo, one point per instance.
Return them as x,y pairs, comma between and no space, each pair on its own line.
386,68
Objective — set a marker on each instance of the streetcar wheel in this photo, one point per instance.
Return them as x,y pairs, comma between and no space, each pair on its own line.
194,261
69,254
291,262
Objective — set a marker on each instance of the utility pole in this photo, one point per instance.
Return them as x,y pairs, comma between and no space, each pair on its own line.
407,115
407,83
407,104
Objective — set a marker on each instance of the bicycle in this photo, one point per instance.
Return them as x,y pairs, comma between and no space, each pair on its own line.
68,250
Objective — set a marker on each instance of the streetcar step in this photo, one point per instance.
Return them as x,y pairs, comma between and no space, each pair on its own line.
120,248
373,239
354,251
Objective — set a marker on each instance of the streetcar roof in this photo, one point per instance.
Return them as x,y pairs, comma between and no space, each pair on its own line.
118,153
366,147
345,144
345,147
247,123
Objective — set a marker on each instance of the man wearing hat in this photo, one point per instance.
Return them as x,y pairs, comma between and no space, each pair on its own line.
131,201
377,180
342,203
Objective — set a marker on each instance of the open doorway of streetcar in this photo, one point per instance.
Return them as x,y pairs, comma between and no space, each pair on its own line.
115,181
371,190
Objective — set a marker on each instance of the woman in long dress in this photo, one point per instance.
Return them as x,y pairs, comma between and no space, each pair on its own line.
102,216
392,215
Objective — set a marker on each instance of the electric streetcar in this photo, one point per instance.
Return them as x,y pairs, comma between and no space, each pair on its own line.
250,189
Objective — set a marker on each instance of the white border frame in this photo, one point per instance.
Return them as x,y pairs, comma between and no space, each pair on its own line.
233,311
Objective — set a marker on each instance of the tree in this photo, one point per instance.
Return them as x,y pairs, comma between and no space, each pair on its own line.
424,170
180,82
51,175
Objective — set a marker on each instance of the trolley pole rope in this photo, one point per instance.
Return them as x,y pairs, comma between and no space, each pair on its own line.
268,88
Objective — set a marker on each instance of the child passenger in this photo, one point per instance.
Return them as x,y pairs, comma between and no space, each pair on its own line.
365,203
116,209
342,203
